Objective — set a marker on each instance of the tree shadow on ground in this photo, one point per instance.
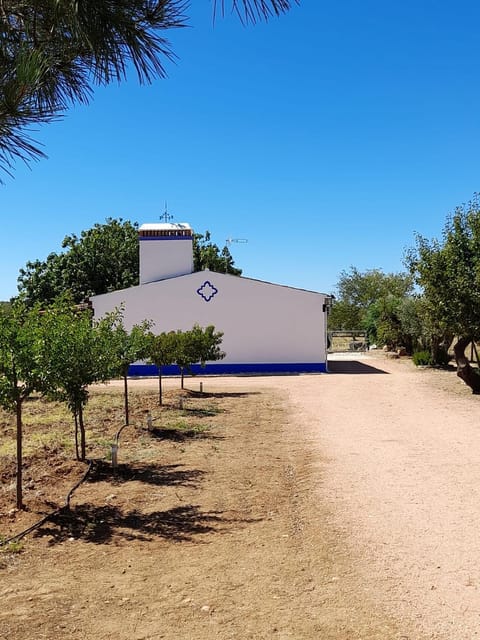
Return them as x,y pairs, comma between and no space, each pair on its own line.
352,366
101,524
200,413
181,435
172,475
223,394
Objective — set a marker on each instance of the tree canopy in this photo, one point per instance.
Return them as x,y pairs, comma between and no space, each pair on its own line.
54,52
21,371
358,292
448,272
207,255
102,259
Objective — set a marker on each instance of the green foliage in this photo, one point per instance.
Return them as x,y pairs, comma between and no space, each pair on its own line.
371,301
163,347
448,272
422,358
14,546
124,347
207,255
197,346
104,258
345,316
363,289
77,353
20,343
21,370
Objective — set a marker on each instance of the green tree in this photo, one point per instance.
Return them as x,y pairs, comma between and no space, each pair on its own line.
448,271
163,350
207,255
21,372
345,316
199,345
53,52
361,289
376,302
124,348
208,344
77,353
103,258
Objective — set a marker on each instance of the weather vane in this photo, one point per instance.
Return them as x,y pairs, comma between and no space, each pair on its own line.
166,216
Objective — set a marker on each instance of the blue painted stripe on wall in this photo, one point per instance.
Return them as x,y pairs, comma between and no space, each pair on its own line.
218,368
165,238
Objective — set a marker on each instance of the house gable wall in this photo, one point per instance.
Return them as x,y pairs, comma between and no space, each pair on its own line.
263,323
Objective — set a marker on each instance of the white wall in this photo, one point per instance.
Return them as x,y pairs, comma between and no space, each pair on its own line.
164,258
262,322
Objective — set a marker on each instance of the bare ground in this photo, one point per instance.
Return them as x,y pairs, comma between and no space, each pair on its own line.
338,507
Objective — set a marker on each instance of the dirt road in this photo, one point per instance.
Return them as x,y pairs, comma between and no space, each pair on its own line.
329,507
402,479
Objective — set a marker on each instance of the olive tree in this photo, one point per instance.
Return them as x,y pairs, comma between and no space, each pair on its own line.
448,272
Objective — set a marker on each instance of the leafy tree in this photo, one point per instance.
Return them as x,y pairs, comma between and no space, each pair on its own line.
208,344
361,289
53,52
77,354
448,271
345,316
124,347
197,346
364,299
207,255
21,372
103,258
163,350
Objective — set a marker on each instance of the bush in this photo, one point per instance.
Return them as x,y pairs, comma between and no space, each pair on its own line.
422,358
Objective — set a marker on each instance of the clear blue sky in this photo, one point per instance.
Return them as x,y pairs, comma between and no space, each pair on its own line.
326,137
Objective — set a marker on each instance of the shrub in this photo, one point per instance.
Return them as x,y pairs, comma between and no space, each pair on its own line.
422,358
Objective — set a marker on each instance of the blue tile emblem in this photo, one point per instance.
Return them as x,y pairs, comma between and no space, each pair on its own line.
207,291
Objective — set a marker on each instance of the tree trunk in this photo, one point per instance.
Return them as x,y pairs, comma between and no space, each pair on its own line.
464,370
125,394
160,399
82,434
75,417
19,453
182,378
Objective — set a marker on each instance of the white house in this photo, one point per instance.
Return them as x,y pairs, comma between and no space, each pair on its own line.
267,327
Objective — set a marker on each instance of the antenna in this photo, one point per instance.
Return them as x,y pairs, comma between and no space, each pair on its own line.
230,240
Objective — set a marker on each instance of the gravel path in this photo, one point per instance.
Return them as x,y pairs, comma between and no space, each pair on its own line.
402,479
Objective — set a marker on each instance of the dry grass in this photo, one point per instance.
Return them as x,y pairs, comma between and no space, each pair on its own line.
48,435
